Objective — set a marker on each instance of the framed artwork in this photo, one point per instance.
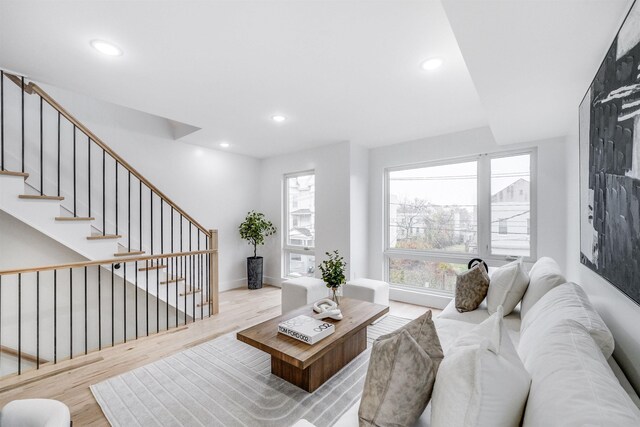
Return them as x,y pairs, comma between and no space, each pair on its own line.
610,163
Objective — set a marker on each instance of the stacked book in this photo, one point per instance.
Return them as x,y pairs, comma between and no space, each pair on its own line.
306,329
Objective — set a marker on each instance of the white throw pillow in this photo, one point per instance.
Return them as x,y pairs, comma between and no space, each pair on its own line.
567,301
544,276
572,384
507,286
481,380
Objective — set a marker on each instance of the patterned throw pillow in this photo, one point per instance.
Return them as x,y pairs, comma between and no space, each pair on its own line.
402,371
471,288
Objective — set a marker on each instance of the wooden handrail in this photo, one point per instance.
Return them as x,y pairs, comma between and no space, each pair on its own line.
18,81
34,88
104,261
26,356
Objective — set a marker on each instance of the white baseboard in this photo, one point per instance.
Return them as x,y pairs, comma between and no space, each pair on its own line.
242,283
419,298
232,284
273,281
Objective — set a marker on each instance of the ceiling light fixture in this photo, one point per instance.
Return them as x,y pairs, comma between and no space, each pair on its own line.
278,118
106,48
432,64
224,144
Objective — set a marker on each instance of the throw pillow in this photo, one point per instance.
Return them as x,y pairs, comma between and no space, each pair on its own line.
399,381
471,288
508,285
544,276
481,382
423,331
567,301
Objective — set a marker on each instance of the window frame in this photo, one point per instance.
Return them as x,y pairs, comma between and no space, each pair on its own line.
484,249
288,249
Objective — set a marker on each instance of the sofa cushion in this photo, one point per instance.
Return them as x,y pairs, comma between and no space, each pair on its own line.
399,382
350,418
544,276
471,288
507,286
481,381
567,301
572,384
479,315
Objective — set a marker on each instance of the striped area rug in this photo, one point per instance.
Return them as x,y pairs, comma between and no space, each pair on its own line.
225,382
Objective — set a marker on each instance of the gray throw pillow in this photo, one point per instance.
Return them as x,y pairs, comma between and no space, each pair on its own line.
399,383
424,332
471,288
401,374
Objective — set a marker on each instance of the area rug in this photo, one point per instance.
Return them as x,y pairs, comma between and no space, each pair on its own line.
225,382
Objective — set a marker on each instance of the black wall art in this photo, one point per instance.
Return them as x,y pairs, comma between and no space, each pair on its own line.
610,163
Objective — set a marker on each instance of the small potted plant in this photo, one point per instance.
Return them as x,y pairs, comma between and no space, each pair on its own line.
254,229
333,272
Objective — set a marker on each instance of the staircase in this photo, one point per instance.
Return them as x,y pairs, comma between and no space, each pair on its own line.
150,266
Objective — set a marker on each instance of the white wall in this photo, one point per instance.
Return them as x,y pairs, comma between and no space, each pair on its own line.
551,189
216,188
619,312
359,211
332,178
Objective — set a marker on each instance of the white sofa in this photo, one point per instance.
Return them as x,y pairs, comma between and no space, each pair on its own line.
553,377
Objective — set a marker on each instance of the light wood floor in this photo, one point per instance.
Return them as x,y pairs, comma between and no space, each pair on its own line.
69,381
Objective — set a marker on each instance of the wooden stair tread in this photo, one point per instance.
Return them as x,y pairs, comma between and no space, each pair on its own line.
153,267
192,291
128,253
75,218
12,173
39,197
104,237
203,303
179,279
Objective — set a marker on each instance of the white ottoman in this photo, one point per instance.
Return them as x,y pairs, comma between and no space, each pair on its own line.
375,291
302,291
35,413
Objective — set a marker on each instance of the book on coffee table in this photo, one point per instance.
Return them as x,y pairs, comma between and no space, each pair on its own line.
306,329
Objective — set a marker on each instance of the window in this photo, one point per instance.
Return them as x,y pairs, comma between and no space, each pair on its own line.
439,216
510,215
502,226
299,224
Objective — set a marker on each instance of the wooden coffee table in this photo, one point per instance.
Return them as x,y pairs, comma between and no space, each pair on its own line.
309,366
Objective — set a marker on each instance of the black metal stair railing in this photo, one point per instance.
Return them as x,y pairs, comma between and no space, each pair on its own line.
67,310
150,228
60,157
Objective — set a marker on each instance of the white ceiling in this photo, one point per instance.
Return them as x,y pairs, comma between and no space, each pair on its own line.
533,60
339,70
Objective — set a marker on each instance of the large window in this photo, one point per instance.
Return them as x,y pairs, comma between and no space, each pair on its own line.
438,216
299,224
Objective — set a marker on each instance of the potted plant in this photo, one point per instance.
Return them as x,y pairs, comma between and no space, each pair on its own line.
254,229
333,272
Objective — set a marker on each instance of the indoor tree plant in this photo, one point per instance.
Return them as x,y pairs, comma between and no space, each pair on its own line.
333,272
254,229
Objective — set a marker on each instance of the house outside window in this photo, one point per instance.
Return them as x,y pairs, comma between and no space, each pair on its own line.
440,215
299,224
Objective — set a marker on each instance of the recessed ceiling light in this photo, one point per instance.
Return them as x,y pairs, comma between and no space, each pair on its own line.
106,48
431,64
224,144
278,118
